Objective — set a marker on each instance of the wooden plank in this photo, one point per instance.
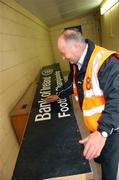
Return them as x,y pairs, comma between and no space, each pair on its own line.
19,125
86,176
20,113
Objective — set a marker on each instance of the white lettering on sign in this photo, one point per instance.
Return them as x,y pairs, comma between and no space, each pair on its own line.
44,107
42,117
44,111
63,108
58,80
46,84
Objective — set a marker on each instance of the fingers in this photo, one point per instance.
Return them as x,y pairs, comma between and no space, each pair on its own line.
91,153
49,99
88,149
52,98
83,141
93,145
88,152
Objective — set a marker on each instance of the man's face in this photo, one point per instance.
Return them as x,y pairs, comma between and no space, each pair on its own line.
68,50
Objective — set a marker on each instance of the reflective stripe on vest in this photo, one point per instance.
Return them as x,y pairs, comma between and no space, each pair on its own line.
94,101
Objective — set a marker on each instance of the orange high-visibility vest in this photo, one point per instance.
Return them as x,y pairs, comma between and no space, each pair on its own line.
94,101
75,91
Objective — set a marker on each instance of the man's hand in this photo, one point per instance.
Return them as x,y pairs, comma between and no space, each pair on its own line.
93,145
52,98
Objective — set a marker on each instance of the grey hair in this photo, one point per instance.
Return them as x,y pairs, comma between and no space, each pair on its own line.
73,35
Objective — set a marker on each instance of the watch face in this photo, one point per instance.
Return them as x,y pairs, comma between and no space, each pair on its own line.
104,134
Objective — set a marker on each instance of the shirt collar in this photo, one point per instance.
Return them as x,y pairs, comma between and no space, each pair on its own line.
81,60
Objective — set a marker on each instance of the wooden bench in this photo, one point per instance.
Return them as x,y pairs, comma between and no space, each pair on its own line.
20,113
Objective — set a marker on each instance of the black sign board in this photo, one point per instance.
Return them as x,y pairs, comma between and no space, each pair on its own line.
50,145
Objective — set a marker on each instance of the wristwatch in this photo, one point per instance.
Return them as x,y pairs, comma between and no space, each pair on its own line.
104,134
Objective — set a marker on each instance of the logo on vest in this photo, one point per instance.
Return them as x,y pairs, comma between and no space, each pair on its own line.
88,83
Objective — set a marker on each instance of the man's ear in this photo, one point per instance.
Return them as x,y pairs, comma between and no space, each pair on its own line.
77,46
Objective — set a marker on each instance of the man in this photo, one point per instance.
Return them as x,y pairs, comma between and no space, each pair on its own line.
94,80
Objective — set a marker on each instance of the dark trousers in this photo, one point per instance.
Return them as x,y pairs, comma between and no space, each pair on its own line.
109,157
